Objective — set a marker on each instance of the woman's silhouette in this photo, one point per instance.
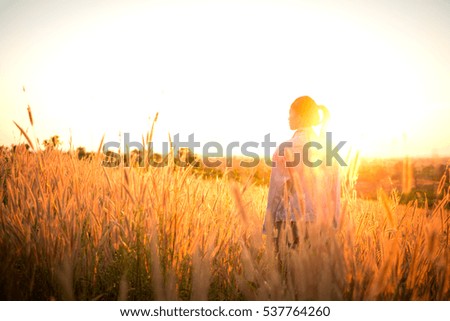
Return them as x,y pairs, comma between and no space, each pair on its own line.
303,187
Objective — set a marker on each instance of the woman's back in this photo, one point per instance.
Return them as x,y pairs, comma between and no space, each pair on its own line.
302,185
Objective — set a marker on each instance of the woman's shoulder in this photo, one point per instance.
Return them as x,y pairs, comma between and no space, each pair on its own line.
298,139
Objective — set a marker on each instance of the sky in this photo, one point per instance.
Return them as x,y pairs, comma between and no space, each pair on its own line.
227,70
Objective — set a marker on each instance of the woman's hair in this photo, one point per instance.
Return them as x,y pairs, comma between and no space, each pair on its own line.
308,110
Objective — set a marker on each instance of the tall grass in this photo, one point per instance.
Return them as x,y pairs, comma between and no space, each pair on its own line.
73,229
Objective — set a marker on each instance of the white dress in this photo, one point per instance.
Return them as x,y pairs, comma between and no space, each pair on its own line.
298,191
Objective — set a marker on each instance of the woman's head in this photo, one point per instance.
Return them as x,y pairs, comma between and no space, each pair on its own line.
304,112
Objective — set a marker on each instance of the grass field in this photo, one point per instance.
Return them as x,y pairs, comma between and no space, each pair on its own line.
73,229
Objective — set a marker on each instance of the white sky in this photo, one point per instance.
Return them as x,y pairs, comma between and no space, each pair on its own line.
227,70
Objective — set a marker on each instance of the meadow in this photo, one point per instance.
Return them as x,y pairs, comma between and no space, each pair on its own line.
72,229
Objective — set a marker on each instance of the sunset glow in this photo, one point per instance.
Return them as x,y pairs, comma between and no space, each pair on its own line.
227,70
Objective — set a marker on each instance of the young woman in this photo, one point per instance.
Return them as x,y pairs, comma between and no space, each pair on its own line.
302,186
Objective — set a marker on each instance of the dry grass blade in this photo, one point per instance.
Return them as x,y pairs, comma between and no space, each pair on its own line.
107,178
387,207
150,134
239,203
100,146
25,135
30,115
129,193
442,182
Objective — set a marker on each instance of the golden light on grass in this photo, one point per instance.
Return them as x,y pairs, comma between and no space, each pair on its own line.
71,229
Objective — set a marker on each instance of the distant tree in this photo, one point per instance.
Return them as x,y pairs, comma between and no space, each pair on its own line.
397,169
430,172
52,143
135,157
111,159
81,152
186,156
